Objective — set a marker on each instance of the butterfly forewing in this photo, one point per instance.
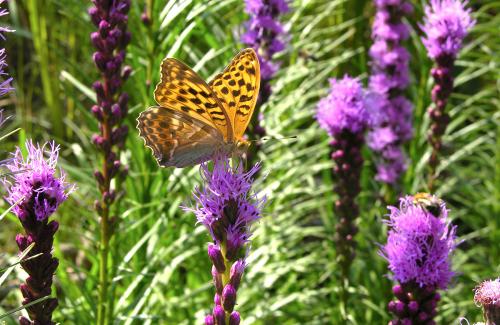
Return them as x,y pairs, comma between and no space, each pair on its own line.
237,88
176,138
181,89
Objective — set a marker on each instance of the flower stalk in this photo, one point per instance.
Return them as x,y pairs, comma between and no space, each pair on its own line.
391,125
446,23
110,41
419,244
227,208
343,114
265,34
36,193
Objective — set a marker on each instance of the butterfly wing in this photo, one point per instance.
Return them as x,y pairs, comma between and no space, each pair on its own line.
237,88
181,89
176,138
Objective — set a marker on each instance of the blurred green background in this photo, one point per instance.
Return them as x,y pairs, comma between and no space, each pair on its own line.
163,273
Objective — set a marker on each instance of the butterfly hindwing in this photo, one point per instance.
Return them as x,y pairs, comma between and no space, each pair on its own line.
237,88
176,138
181,89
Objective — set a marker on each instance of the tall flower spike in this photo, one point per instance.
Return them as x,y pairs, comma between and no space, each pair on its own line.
446,23
36,193
487,295
110,40
391,126
5,82
343,114
266,35
227,208
418,248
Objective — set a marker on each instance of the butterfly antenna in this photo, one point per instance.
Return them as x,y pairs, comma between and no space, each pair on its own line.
268,138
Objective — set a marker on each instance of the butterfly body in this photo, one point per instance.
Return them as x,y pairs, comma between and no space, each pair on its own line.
195,120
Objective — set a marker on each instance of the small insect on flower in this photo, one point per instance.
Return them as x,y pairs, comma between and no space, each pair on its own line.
429,202
196,120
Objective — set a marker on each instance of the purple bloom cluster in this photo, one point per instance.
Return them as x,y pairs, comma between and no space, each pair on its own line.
419,244
446,23
5,83
344,107
344,115
265,32
110,40
391,126
487,295
36,193
227,208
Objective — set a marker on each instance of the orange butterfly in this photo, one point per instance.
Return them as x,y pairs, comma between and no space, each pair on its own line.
195,120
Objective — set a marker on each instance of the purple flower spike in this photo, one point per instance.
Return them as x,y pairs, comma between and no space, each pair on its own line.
36,193
226,206
343,114
390,120
419,244
344,109
266,36
446,23
487,295
5,82
110,40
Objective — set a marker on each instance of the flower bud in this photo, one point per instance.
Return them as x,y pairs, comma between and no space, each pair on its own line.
217,278
216,257
228,298
209,320
234,318
236,273
94,16
219,315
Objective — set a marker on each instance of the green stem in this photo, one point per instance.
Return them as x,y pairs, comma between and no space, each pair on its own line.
103,310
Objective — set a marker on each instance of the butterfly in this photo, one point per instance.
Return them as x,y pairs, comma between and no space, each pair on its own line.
195,120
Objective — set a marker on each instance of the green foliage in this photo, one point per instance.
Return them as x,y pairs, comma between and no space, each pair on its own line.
162,273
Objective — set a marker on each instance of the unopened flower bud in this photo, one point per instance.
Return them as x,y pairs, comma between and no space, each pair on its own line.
234,318
216,257
228,297
219,315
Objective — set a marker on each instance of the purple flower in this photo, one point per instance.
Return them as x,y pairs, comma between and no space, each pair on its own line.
446,23
343,108
343,113
226,206
5,83
419,243
390,121
36,192
3,29
266,35
35,189
487,295
110,40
